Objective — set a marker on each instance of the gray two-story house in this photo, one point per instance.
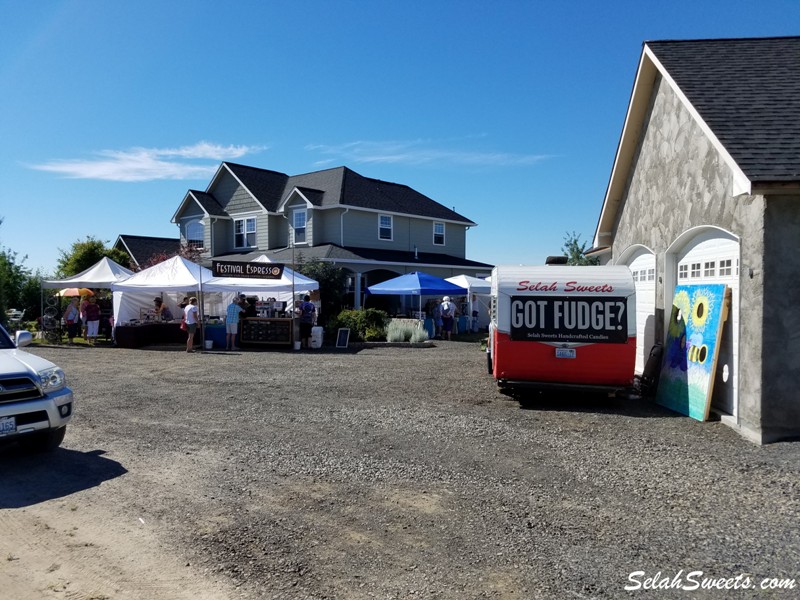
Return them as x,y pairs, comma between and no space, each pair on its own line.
373,229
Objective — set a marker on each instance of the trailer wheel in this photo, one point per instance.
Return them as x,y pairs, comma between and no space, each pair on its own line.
489,362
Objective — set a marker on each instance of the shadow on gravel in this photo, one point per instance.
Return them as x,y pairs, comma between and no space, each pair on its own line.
592,403
28,479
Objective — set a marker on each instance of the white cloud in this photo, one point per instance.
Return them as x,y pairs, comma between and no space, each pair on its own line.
419,152
148,164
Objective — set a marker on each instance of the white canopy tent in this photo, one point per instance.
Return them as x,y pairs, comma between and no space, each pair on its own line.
102,274
290,281
177,277
479,297
174,276
284,289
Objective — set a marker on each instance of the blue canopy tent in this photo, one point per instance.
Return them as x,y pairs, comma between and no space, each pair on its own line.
417,284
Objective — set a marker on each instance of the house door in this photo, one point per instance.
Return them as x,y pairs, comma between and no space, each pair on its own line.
712,256
642,264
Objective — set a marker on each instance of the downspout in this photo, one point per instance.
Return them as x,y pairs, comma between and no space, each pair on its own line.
341,226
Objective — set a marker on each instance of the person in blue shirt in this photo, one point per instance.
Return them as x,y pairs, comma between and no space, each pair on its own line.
308,314
232,315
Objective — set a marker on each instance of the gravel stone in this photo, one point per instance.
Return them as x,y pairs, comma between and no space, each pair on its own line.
395,473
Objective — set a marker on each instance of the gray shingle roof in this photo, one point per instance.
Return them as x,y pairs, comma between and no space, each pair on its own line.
341,186
209,203
748,92
142,248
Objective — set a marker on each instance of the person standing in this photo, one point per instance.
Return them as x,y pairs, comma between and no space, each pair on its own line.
437,320
308,313
92,320
232,315
448,317
71,318
191,314
82,311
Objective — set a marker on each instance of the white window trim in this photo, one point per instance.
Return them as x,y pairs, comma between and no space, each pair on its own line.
202,229
391,228
296,211
245,232
444,233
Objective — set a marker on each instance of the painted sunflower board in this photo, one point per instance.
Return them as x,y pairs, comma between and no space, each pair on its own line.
692,349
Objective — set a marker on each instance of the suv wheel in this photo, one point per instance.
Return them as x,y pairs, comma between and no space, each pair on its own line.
45,441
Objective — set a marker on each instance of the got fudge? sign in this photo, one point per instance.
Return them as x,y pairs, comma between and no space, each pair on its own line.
569,319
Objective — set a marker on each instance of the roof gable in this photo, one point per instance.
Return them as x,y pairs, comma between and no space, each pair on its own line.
743,93
141,248
748,93
338,186
267,187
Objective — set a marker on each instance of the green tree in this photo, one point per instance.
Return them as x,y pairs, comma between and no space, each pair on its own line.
331,281
13,276
574,250
85,253
30,296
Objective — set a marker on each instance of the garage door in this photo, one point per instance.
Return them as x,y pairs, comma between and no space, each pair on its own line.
713,257
642,264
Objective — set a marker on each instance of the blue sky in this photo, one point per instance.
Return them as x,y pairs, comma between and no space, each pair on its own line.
508,111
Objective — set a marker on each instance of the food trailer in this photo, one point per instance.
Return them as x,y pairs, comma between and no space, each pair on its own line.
562,327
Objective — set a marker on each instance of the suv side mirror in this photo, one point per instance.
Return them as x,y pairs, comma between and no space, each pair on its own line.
23,338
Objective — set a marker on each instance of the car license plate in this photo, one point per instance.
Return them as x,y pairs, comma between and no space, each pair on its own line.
7,425
566,353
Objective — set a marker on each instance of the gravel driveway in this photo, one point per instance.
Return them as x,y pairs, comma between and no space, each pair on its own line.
403,473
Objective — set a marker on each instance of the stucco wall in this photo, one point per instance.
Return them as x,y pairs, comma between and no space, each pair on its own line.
678,182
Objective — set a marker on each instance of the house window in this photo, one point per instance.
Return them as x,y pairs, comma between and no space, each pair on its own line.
194,234
244,233
438,234
635,275
299,226
695,270
683,271
651,274
725,268
710,269
385,227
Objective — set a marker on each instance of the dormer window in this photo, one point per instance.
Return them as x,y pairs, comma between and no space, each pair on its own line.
385,227
195,234
299,225
438,234
244,232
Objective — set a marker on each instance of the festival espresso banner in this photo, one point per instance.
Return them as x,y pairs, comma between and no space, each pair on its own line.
249,270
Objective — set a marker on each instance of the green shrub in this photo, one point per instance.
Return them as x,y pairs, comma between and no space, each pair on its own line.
399,332
366,325
419,334
405,332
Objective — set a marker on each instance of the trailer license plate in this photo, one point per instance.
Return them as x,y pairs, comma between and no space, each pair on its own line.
565,353
7,425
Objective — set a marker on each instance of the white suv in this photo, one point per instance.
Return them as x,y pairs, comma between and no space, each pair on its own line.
35,402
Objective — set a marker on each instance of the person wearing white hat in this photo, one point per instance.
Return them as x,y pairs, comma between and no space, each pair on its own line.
448,316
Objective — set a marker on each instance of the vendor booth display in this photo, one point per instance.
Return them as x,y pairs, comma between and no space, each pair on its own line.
417,284
274,324
478,300
177,277
170,280
102,275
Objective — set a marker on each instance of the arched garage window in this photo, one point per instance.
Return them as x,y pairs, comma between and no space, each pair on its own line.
194,234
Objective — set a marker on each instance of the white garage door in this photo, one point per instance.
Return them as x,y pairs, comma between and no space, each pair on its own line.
713,257
643,266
